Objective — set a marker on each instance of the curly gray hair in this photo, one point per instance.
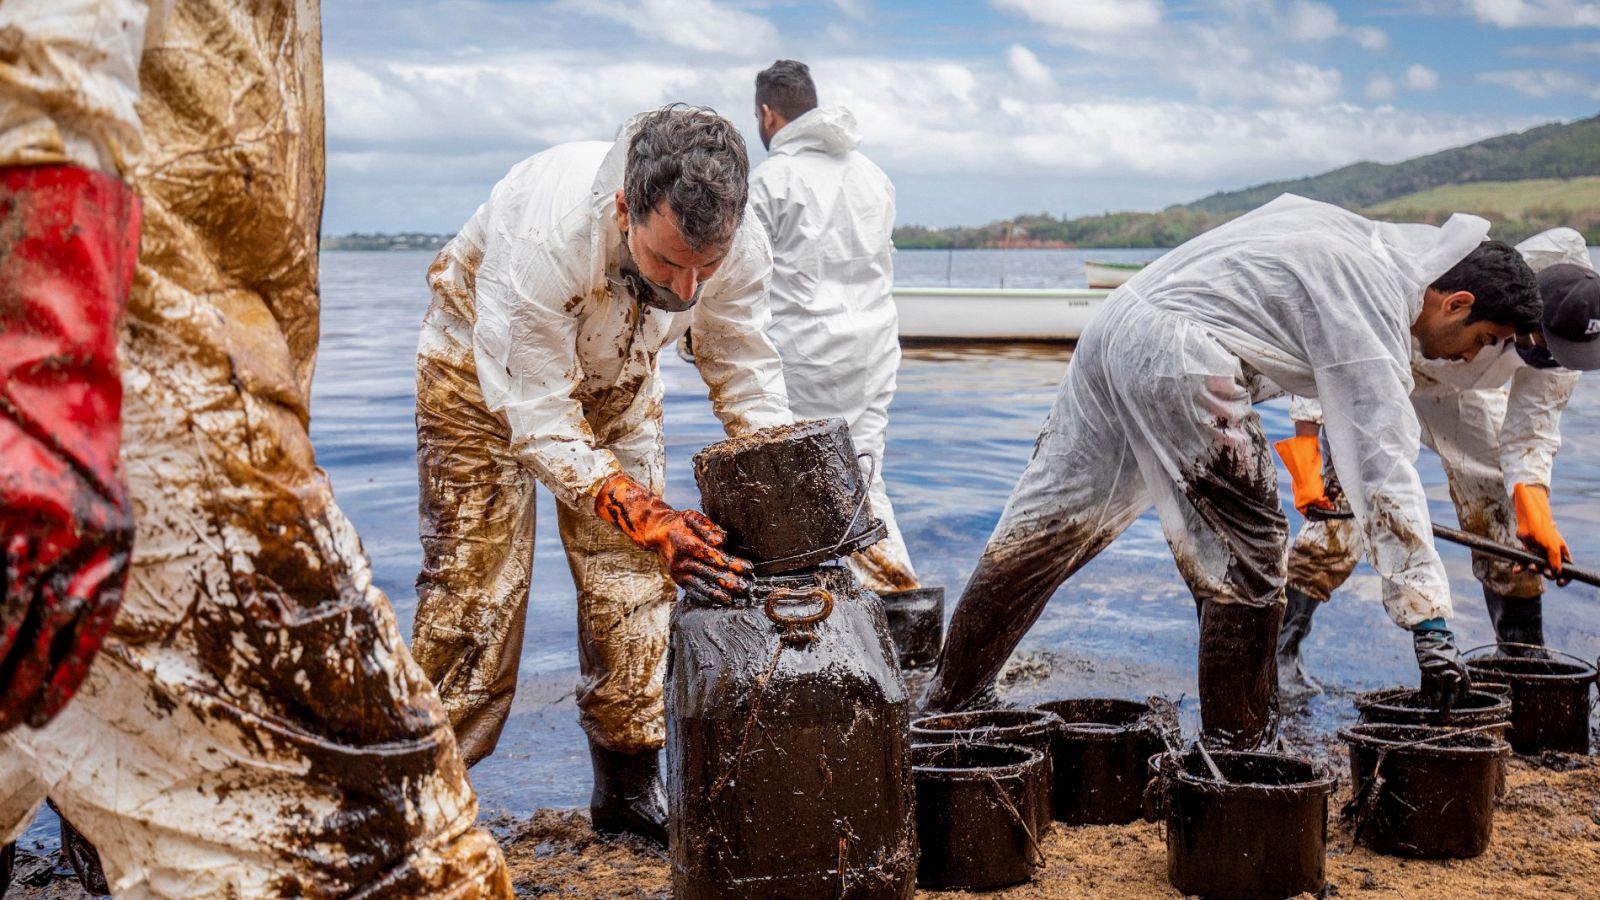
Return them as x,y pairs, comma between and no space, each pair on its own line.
696,161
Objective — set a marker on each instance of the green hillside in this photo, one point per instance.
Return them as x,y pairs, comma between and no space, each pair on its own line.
1523,183
1561,150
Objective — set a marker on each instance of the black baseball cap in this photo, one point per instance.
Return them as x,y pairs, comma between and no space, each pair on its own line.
1571,296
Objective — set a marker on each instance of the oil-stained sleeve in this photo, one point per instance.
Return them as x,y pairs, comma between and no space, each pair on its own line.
69,80
1305,409
1531,434
1364,383
735,357
524,341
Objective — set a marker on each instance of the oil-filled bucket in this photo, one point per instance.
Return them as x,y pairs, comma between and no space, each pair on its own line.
1424,791
916,622
1406,706
972,821
790,497
1550,698
1099,757
1031,728
1260,833
788,763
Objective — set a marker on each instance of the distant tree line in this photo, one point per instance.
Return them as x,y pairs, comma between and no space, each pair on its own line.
1568,150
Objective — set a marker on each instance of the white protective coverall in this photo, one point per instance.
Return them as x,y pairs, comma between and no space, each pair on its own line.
830,214
1495,423
253,726
536,365
1156,404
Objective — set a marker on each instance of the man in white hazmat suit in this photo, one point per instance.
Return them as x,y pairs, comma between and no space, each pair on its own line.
538,363
1157,405
252,724
1495,423
830,214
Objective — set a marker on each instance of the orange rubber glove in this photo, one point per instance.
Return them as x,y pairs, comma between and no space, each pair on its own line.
685,540
1535,526
1302,456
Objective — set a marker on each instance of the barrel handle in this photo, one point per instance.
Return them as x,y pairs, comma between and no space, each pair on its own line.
817,594
866,490
1577,659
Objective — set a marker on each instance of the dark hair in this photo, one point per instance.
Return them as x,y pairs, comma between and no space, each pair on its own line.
695,160
786,87
1504,289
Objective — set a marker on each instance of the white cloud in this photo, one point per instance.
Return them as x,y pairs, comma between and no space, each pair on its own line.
705,26
1380,87
1421,78
1536,13
1309,21
1543,82
1574,50
855,9
1281,84
1099,17
1027,67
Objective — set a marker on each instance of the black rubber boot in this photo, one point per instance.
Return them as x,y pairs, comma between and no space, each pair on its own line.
1238,677
1293,682
81,855
8,856
1517,621
628,797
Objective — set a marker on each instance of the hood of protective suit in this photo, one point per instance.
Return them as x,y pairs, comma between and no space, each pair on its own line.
827,129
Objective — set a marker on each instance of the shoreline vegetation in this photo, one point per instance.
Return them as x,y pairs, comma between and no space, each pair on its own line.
1523,183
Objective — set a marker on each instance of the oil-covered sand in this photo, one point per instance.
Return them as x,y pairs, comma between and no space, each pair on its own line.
1546,844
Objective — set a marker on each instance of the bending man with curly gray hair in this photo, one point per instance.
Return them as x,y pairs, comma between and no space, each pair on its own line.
538,364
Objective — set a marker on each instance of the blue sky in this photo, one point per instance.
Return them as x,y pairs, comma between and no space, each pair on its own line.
977,110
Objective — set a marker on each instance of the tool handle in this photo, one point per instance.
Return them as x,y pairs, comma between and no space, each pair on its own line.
1515,554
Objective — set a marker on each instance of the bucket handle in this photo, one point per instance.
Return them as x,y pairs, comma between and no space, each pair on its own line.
1027,830
866,490
797,628
1577,659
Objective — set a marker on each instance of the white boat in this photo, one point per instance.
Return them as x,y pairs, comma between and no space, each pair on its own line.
957,315
1109,274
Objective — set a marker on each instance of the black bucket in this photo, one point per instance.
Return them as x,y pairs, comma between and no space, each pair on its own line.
1423,791
1261,834
1031,728
916,622
1099,758
1550,699
1405,706
972,821
790,497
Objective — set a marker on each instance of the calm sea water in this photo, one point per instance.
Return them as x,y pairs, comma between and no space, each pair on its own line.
961,428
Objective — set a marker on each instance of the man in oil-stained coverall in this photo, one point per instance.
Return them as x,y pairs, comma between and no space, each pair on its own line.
538,363
830,214
1157,405
1495,423
252,725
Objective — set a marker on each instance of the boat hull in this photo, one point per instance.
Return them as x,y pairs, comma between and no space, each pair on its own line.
959,315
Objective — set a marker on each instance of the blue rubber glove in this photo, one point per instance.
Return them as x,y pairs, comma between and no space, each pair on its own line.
1444,677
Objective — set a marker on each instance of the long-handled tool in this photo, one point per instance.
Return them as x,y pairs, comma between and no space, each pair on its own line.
1482,545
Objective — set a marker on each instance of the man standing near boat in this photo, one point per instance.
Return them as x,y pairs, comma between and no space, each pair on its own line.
830,214
1157,404
195,665
1495,423
538,364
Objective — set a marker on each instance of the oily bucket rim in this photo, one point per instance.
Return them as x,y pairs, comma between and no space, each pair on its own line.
1031,758
1494,743
1106,731
1048,723
1323,781
1586,670
1377,699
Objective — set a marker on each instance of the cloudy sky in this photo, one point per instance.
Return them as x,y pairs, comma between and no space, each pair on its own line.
978,110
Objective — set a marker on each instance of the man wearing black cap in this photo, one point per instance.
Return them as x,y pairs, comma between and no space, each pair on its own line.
1495,423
